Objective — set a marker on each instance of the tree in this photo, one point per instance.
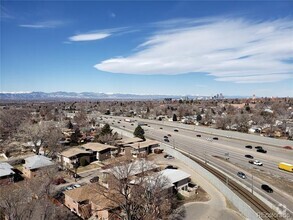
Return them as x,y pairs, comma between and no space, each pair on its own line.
198,118
140,198
75,137
106,130
174,117
69,125
139,132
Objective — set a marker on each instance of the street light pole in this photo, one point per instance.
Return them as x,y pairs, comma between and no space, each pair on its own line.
251,183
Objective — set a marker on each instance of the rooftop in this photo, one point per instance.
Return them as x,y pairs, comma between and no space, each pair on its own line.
73,152
97,146
6,169
129,140
143,144
37,161
174,175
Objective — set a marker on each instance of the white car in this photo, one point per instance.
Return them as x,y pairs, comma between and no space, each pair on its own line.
76,186
257,162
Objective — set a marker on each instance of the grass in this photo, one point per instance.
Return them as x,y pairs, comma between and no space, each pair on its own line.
88,167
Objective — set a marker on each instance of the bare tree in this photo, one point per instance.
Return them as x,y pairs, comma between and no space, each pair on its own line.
142,196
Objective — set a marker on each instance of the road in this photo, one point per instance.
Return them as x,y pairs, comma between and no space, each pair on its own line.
186,139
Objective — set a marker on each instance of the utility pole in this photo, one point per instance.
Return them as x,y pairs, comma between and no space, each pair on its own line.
251,183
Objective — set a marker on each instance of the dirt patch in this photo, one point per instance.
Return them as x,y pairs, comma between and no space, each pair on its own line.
201,196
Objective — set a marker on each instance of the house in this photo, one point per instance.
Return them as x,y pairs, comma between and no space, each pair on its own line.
178,178
73,155
87,201
123,171
6,173
34,164
100,151
126,141
142,148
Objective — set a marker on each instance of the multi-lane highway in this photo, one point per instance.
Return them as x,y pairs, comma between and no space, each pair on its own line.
227,146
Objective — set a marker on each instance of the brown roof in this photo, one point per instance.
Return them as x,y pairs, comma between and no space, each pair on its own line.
129,140
97,146
73,152
143,144
91,192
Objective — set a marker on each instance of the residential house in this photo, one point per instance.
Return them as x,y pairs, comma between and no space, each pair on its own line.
87,201
100,151
34,164
73,155
178,178
142,148
6,173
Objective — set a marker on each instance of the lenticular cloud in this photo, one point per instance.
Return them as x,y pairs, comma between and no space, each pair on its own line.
233,50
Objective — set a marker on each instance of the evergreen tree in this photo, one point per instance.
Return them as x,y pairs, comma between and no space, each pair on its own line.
198,117
139,132
174,117
69,125
75,137
106,130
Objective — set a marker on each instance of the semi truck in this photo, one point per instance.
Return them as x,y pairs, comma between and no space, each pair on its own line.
286,166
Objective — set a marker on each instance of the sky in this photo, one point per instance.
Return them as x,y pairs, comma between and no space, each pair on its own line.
237,48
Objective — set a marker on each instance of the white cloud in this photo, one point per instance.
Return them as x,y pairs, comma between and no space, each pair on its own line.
234,50
43,24
89,37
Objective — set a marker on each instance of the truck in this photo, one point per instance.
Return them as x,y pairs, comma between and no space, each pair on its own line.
286,166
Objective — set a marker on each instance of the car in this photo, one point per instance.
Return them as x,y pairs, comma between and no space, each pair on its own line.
75,175
248,146
123,126
241,175
171,167
166,139
169,135
258,147
170,157
228,136
165,136
261,151
257,163
132,124
209,139
250,161
198,135
215,138
249,156
118,122
161,128
68,188
176,130
94,179
76,186
267,188
165,156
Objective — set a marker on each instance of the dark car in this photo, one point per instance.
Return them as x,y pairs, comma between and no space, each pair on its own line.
75,175
261,151
132,124
171,167
251,161
249,156
198,135
165,136
169,135
267,188
258,147
248,146
161,128
166,139
94,179
176,130
215,138
241,175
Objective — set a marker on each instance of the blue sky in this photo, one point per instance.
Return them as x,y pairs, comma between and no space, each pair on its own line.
147,47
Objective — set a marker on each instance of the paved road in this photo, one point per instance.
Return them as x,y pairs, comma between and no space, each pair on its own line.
187,140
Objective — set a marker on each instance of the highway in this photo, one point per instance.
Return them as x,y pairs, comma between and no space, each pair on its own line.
214,151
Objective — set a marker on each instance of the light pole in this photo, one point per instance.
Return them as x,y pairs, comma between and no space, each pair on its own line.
251,183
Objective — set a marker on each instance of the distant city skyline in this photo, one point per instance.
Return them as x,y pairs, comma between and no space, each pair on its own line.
148,48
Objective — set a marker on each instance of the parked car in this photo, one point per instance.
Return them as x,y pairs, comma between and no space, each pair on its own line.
248,146
258,147
198,135
165,136
75,175
69,188
249,156
171,167
169,135
261,151
267,188
94,179
59,181
76,186
166,140
161,128
250,161
176,130
132,124
241,175
215,138
170,157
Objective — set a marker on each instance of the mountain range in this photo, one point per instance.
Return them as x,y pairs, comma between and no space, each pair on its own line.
86,96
